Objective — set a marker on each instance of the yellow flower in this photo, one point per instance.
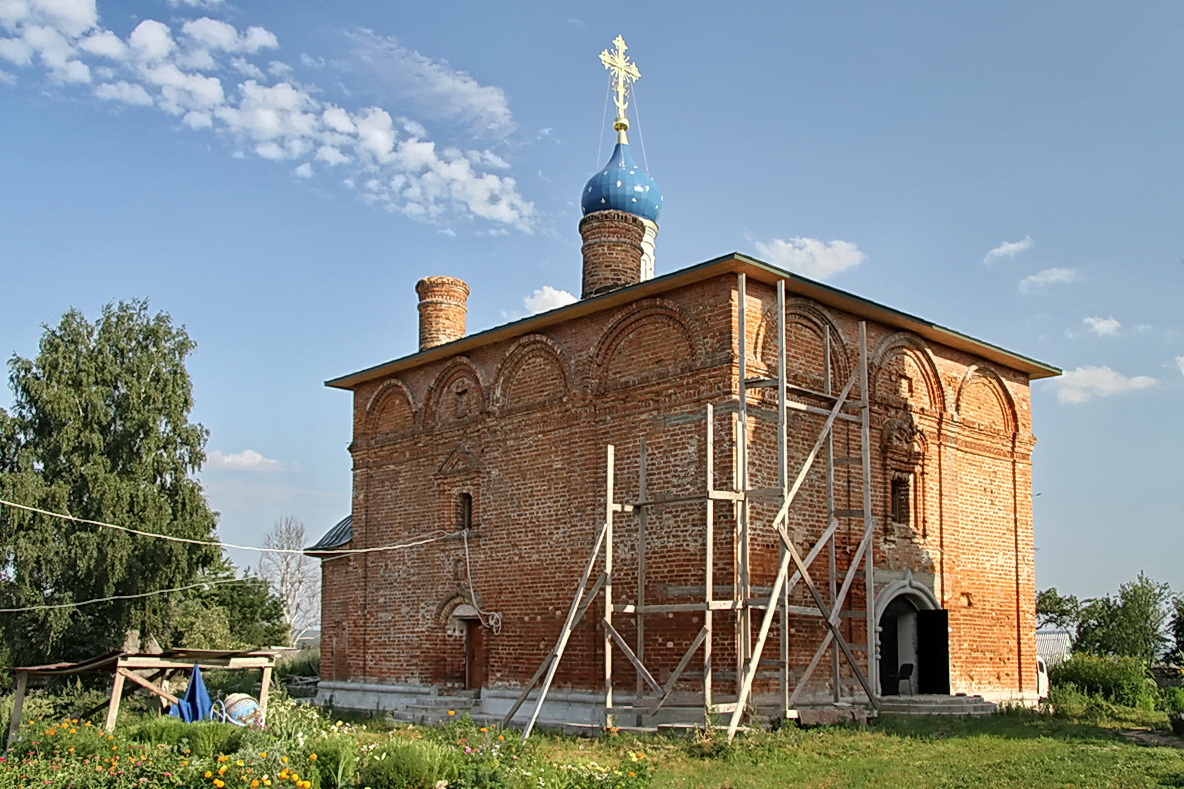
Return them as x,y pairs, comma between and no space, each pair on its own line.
483,730
208,774
284,759
218,782
451,712
254,783
223,758
184,762
263,755
222,770
238,763
312,757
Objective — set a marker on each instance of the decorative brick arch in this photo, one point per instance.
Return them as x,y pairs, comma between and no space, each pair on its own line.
380,409
544,357
652,315
980,376
450,380
903,344
813,318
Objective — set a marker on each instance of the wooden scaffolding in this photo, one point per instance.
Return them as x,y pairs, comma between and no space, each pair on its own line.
747,605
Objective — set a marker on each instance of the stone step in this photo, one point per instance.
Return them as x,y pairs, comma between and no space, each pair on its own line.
938,705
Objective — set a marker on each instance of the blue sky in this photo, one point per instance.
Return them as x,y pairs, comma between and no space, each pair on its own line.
277,176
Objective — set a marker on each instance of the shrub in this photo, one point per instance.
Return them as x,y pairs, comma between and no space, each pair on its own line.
1118,680
336,762
1172,700
409,764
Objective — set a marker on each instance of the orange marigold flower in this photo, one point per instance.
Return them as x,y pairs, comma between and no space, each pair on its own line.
312,757
208,774
218,782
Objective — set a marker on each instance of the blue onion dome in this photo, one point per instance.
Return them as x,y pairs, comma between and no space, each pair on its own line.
623,186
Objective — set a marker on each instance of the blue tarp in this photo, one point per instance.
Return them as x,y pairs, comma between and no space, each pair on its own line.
195,705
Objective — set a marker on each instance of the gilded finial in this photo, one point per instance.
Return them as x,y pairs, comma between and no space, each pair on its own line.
624,72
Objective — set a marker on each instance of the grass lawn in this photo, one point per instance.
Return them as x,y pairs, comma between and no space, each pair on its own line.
1009,750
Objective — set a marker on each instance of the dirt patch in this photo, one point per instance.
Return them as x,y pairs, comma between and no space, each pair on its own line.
1152,738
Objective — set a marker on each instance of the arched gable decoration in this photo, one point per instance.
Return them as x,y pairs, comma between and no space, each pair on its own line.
998,389
456,394
383,401
918,593
814,318
912,347
651,312
534,349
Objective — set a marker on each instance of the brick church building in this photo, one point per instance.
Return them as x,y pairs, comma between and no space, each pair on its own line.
703,492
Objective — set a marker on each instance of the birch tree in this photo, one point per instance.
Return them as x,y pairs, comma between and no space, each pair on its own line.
294,577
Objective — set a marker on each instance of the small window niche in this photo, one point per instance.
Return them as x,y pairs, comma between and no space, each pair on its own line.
900,501
464,511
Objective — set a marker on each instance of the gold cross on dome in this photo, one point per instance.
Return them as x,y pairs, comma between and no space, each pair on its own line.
623,73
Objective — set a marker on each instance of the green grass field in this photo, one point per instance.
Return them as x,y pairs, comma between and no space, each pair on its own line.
1008,750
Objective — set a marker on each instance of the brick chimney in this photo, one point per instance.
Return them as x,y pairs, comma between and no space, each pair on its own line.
612,251
442,310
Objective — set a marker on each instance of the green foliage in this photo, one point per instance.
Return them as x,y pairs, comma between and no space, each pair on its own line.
409,764
1129,624
1175,653
230,613
1172,700
1055,610
305,663
99,430
336,762
1117,680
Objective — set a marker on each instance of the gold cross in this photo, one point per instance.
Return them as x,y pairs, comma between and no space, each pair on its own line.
623,73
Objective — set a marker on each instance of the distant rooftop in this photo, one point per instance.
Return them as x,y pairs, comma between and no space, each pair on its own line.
339,535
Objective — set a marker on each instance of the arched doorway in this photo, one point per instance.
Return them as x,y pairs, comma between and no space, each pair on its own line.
466,620
914,640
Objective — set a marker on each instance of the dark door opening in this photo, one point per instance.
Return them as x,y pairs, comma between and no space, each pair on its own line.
897,644
933,652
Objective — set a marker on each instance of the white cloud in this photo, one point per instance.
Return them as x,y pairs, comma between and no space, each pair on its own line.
1049,276
198,75
303,171
247,460
547,298
16,51
811,257
217,35
1085,383
126,92
435,86
1180,364
1008,249
151,40
7,78
1102,327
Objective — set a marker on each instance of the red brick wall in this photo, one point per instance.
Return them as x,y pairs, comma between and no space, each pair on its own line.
522,425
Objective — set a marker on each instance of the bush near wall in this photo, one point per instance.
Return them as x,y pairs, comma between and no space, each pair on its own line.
1118,680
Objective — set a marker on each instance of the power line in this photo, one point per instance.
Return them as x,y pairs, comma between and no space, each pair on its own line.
120,597
432,537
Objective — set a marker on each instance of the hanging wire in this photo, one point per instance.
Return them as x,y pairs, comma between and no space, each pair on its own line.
433,537
81,603
603,120
491,619
640,136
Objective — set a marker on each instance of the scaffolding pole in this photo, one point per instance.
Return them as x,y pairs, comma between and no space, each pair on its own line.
851,406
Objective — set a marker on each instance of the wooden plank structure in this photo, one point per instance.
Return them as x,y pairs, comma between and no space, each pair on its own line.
830,603
161,666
